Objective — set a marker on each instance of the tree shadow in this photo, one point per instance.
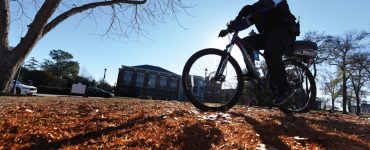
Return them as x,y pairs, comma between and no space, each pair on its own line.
346,127
200,136
297,126
300,126
41,143
267,132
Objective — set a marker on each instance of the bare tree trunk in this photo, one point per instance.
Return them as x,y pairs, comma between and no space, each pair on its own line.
344,95
344,98
358,107
349,105
4,25
349,102
8,68
332,105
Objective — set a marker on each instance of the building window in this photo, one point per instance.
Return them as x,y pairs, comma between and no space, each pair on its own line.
140,80
127,77
173,83
152,79
163,82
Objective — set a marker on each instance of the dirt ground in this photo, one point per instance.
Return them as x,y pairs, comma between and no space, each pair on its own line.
123,123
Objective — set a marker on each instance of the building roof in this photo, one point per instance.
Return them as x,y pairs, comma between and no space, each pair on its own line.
154,68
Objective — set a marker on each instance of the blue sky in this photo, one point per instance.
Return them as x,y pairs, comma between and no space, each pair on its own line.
169,46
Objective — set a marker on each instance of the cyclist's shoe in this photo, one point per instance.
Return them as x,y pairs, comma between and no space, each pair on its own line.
283,97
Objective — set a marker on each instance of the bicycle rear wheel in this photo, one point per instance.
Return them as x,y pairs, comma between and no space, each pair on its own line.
302,80
207,91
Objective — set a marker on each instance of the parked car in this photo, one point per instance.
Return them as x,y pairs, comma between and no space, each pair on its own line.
97,92
21,88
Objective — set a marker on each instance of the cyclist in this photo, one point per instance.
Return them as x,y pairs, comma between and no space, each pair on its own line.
277,32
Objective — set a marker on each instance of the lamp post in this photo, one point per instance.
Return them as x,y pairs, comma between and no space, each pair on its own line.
205,73
105,70
203,92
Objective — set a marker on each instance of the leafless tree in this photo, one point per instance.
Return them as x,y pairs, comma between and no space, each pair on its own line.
331,87
340,47
359,66
320,40
38,17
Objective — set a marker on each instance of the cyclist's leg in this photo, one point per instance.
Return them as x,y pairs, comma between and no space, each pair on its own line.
276,43
254,42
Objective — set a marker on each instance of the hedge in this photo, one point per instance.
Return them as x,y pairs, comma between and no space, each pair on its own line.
53,90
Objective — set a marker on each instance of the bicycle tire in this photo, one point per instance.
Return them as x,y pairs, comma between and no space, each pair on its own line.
187,79
287,107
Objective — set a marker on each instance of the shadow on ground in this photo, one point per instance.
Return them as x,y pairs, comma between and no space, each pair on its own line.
297,126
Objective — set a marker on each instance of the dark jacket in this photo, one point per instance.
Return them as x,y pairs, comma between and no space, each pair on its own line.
268,15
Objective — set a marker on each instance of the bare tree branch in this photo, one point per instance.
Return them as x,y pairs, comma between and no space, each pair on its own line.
36,28
85,7
20,15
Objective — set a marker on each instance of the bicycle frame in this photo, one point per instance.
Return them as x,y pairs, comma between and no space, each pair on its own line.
247,59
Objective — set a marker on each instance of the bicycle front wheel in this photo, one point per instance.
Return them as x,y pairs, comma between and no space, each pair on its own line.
207,90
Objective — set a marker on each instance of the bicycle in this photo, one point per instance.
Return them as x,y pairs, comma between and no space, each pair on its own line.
213,80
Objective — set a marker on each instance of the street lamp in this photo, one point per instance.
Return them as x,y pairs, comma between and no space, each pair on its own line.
105,70
203,92
205,74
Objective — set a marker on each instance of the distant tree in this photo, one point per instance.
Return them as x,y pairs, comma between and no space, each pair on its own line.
88,81
325,100
85,78
331,87
359,66
85,73
351,97
105,85
61,64
340,48
37,18
38,77
32,64
322,52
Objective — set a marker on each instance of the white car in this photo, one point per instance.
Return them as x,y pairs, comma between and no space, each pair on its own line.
21,88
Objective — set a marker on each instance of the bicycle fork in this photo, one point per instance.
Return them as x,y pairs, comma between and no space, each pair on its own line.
222,66
223,63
